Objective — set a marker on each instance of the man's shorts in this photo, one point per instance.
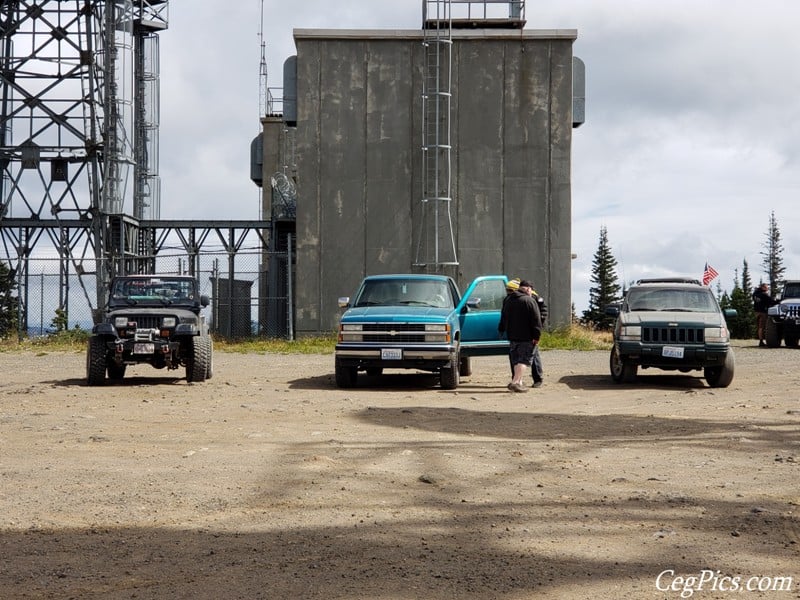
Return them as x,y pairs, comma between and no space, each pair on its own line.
521,353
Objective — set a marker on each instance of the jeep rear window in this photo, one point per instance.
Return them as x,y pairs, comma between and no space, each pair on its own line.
405,292
671,299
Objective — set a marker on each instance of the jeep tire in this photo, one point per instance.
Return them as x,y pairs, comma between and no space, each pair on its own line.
96,361
197,362
773,333
721,376
621,370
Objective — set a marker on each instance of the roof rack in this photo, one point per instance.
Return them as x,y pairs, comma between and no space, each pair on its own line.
669,280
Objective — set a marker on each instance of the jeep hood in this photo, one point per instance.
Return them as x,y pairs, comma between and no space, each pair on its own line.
395,314
674,319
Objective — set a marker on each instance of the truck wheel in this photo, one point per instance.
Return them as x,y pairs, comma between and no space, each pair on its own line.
448,376
773,334
621,371
346,376
790,339
96,361
115,371
197,365
721,376
465,367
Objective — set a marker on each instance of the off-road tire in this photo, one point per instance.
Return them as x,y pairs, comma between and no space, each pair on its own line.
346,377
621,370
197,363
96,361
721,376
790,339
773,333
210,369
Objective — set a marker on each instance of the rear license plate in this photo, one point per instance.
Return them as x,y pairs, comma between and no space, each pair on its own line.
672,352
144,348
391,354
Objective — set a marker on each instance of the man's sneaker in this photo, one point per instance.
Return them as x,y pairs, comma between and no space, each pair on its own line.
761,343
517,387
510,386
537,383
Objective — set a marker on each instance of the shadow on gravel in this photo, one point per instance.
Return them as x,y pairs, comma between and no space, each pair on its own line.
648,381
460,554
126,382
601,428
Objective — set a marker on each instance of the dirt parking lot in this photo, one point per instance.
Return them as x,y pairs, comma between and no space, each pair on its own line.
269,482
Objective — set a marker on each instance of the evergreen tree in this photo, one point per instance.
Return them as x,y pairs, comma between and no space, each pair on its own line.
606,289
773,255
9,303
742,326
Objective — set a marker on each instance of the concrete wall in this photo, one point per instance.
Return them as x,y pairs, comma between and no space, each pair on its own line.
359,135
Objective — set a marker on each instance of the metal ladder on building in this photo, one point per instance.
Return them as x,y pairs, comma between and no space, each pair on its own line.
436,246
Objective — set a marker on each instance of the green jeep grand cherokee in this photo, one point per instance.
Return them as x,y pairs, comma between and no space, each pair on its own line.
674,325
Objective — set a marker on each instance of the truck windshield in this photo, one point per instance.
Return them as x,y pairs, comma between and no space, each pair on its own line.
666,299
401,292
160,290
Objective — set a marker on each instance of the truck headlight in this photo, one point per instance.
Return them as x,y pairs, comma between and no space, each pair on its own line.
350,332
168,322
630,333
437,333
120,322
716,334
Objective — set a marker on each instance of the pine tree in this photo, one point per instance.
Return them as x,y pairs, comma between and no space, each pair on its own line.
606,289
742,326
773,255
9,303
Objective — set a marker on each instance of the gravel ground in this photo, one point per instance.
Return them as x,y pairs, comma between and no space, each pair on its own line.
269,482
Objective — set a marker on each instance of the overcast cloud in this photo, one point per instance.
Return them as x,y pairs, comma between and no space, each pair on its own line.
691,136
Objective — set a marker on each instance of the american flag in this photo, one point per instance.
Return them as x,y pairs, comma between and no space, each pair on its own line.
709,273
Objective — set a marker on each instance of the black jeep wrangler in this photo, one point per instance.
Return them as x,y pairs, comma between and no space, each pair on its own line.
151,319
783,319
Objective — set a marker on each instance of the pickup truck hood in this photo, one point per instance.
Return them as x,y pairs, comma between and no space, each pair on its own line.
681,319
397,314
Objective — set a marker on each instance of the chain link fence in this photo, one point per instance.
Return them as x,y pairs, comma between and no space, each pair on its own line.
250,292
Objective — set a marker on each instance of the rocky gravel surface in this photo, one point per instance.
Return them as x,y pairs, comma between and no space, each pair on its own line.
269,482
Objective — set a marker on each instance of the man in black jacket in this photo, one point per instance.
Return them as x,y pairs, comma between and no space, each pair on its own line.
522,324
761,302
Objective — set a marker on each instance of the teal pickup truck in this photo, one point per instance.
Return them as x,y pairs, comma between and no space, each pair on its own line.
419,322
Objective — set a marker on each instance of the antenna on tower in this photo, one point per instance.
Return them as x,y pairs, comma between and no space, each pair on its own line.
262,68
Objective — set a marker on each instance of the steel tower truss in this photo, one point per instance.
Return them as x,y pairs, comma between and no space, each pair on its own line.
79,134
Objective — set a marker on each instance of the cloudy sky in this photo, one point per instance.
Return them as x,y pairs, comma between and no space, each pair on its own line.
691,137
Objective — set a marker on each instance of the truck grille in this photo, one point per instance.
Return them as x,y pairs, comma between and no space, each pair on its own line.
793,311
394,333
673,335
146,321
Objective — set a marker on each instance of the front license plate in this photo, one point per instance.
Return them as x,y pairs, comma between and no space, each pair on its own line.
672,351
144,348
391,354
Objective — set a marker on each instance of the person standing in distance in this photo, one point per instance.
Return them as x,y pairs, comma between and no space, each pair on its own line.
536,367
522,324
761,302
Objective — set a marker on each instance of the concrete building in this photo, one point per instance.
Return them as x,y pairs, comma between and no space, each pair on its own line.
357,159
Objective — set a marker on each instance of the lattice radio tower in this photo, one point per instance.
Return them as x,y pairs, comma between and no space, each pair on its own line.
79,90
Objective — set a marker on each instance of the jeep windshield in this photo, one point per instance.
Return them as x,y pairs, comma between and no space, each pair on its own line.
671,300
160,291
404,292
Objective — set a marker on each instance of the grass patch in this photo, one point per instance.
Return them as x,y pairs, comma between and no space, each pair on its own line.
574,337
